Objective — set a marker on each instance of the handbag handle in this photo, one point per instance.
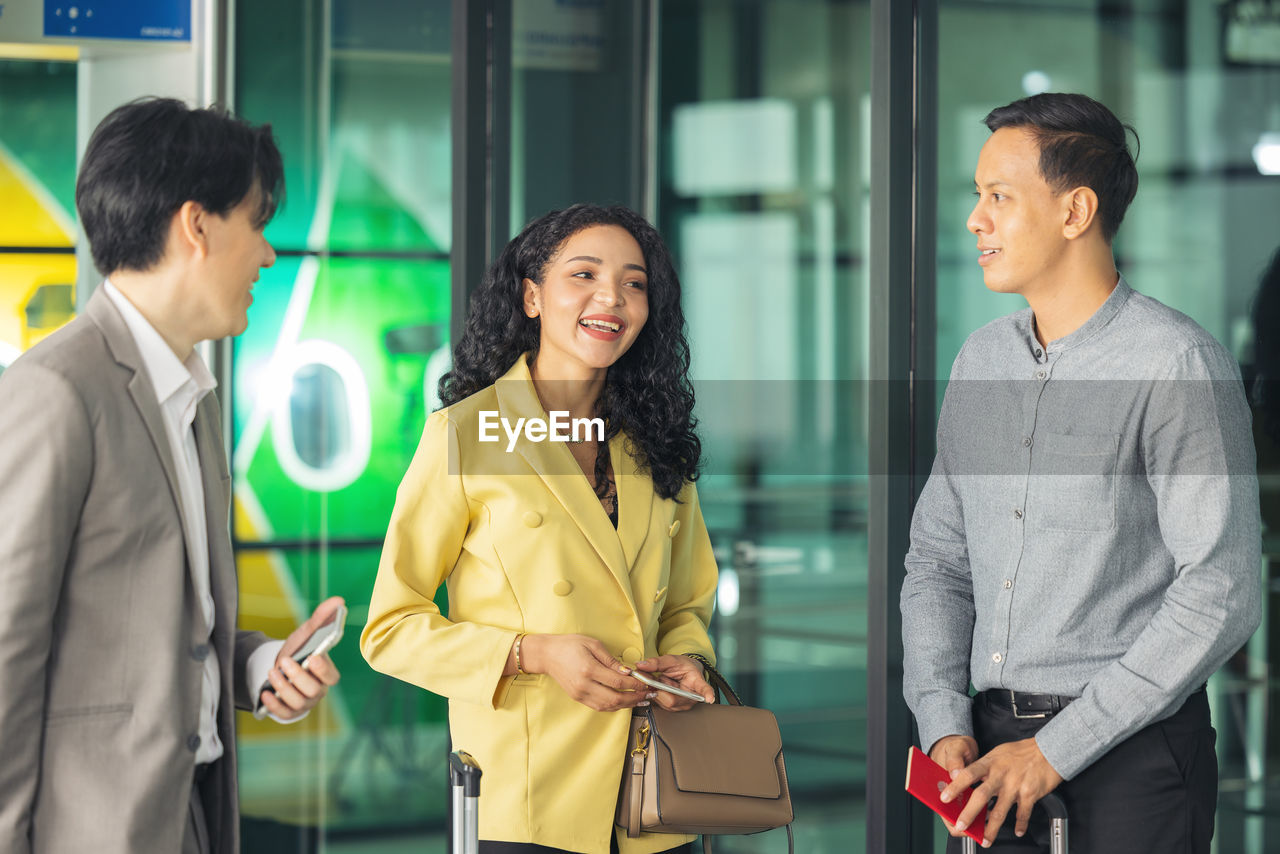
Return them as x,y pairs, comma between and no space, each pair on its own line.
717,682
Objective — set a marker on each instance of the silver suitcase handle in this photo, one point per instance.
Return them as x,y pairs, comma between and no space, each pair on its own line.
464,780
1057,811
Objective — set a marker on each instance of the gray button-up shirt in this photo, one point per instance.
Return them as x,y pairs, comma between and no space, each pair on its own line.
1090,527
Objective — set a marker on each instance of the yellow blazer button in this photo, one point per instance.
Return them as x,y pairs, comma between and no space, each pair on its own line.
562,587
631,655
658,595
533,519
674,529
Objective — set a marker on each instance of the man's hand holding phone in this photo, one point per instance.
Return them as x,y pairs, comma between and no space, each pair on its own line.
674,671
303,672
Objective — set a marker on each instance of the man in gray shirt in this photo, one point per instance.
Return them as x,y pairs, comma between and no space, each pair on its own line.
1086,550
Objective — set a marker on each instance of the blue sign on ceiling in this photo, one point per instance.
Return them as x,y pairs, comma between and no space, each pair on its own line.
144,20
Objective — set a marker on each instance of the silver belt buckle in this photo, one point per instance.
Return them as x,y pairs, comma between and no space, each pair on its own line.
1013,701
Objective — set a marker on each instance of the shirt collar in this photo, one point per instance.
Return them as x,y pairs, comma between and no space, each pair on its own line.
1109,309
167,373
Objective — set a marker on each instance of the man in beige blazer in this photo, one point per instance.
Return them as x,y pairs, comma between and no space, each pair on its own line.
120,660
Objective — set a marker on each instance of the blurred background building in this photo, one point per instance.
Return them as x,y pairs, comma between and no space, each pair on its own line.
810,163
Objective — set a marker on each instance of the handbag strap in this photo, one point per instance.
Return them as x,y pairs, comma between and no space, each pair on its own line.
718,683
637,795
639,755
791,842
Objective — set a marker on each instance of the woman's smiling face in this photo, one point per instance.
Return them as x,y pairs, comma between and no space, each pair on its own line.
593,300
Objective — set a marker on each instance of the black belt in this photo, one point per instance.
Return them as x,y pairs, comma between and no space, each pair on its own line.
1028,706
1025,705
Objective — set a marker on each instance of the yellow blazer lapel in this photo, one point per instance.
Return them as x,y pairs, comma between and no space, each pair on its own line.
559,471
635,500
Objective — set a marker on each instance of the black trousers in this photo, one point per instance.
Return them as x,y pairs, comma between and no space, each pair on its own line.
1155,791
530,848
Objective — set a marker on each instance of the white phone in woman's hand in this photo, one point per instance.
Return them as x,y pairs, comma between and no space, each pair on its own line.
663,686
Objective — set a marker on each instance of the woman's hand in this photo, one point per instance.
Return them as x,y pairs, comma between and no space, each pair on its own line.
681,671
585,670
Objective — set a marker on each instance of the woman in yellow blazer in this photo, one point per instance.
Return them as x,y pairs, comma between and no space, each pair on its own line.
567,562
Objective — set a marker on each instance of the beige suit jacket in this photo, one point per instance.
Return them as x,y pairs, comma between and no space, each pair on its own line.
101,637
524,546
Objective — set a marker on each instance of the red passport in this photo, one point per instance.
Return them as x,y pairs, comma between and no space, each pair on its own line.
926,779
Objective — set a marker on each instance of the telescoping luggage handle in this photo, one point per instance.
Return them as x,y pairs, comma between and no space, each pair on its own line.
1057,811
464,780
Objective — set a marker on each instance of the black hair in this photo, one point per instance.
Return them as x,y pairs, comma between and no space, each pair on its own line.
1266,348
149,157
1082,144
647,392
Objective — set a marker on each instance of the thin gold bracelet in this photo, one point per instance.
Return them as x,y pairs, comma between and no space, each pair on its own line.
519,669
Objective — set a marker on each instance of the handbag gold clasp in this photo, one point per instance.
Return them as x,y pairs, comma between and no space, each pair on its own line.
642,741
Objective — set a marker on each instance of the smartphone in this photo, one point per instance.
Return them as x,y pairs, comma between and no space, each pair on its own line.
322,640
663,686
926,779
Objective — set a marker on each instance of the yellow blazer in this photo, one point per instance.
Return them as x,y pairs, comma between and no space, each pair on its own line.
523,544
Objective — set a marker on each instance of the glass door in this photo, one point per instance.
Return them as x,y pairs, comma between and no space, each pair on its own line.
762,186
740,129
330,387
1200,82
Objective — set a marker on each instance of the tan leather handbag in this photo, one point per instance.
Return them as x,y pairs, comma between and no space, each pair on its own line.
714,769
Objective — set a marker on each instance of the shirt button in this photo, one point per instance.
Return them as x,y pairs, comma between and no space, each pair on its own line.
631,655
562,587
1040,375
997,658
533,519
1039,353
1017,514
1008,582
200,651
674,529
193,743
1026,442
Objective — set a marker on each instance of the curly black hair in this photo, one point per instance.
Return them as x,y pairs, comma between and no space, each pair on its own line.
647,393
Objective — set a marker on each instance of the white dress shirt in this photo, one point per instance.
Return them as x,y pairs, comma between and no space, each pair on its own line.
180,386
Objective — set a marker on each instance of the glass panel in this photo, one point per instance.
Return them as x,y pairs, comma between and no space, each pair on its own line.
37,295
1198,81
380,328
763,182
358,96
320,415
38,139
37,184
368,759
576,104
330,387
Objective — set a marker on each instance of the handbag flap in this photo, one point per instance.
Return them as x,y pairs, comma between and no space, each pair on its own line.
730,750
